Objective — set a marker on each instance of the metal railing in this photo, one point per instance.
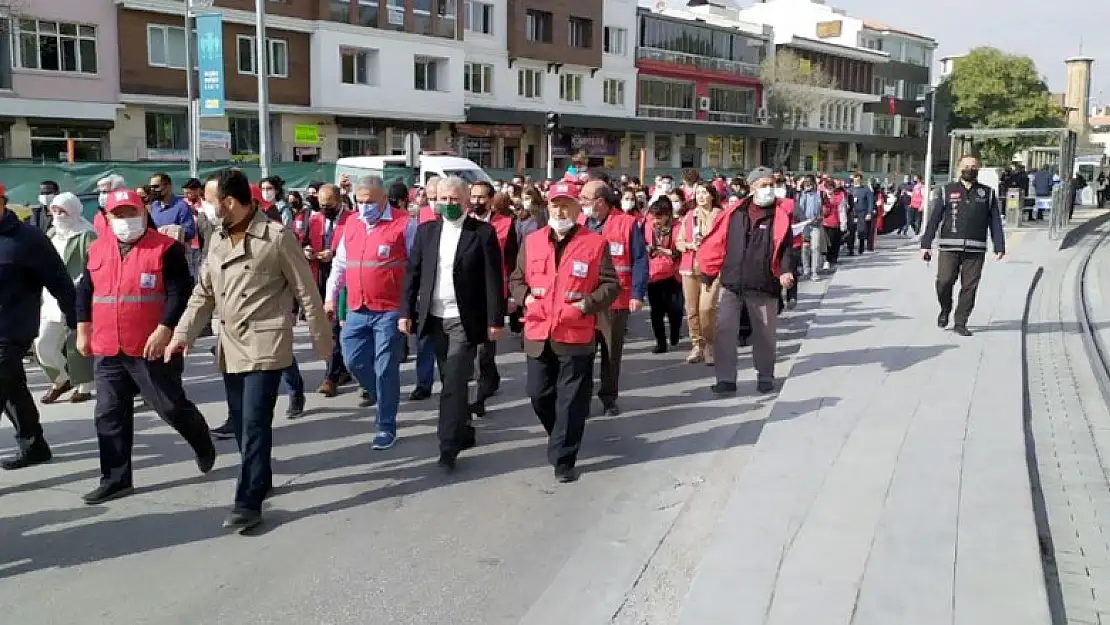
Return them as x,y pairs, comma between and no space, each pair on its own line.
701,62
730,118
664,112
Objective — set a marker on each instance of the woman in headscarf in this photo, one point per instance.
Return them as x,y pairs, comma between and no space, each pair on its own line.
56,347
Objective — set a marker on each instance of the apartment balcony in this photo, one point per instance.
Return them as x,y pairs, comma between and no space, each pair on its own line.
664,112
700,62
730,118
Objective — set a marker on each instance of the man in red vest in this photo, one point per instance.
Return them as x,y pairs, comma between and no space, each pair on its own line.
625,240
565,277
134,291
325,231
370,261
504,226
753,255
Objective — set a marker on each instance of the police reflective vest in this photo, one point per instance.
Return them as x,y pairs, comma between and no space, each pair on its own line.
967,217
317,229
555,290
426,214
128,293
711,255
376,263
660,267
617,231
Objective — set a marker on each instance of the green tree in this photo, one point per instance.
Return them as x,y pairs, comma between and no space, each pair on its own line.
792,92
991,89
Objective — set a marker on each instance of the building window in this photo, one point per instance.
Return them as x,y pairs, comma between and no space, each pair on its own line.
277,57
666,98
731,105
713,44
616,41
537,26
613,92
884,126
52,144
167,131
244,134
368,13
570,87
478,17
340,11
395,13
580,33
478,78
55,46
529,83
479,150
165,46
426,73
358,66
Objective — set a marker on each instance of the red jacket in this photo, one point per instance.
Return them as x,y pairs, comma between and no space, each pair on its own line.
552,315
711,255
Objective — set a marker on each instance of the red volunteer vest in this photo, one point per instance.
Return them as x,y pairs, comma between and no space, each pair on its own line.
317,226
376,263
299,224
552,315
713,247
502,225
617,231
426,214
659,267
128,293
100,225
831,209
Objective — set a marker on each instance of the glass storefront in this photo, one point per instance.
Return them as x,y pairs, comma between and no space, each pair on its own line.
52,144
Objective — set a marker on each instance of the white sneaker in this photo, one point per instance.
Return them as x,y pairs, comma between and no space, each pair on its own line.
827,266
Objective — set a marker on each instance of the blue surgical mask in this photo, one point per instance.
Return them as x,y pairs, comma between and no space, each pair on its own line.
370,213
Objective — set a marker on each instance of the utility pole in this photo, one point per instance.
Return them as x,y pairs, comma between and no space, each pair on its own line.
928,179
262,67
551,125
191,126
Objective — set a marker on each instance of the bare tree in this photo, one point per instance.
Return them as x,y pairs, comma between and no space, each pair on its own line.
791,93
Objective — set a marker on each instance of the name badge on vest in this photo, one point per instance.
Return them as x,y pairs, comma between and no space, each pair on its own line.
579,269
147,281
616,249
383,251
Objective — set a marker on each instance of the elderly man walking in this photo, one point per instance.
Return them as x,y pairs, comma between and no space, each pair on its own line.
370,262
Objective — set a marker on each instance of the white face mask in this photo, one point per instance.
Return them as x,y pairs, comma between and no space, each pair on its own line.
628,205
130,229
764,196
665,187
46,199
269,195
560,226
780,192
589,211
209,210
64,221
102,199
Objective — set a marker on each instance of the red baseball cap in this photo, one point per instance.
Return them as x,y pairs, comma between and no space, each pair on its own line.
256,195
122,197
563,189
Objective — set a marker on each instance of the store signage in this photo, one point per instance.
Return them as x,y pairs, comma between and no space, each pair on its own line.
215,139
306,134
827,30
485,132
595,146
210,64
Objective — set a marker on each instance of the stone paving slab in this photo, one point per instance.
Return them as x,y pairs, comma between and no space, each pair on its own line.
889,483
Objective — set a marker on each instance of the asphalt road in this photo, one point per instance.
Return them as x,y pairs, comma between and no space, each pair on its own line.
355,536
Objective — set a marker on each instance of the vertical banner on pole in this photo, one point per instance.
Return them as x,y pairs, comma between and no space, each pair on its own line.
210,65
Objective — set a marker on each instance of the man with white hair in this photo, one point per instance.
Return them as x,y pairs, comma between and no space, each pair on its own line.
370,262
104,186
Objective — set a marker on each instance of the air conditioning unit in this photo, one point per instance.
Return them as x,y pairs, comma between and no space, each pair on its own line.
763,115
703,104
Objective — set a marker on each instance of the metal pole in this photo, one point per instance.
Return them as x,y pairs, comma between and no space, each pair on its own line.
550,156
190,111
263,73
928,179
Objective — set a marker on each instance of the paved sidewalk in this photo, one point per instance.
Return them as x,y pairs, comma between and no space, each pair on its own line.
889,485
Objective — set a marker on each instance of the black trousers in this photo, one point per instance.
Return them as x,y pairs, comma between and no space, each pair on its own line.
455,359
560,387
968,268
118,379
832,244
489,379
661,299
612,326
863,232
15,397
251,397
336,367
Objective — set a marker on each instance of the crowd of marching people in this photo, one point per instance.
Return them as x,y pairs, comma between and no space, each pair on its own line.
377,270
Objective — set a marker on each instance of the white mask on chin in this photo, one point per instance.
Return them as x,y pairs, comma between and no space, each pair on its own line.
560,226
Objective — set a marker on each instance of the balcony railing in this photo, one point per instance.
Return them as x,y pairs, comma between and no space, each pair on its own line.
664,112
700,62
730,118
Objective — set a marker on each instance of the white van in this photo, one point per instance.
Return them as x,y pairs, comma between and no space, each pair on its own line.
431,164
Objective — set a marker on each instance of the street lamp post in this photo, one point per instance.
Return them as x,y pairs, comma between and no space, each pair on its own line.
192,124
262,68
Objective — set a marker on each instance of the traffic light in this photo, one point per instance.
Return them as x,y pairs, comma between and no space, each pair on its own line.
552,125
926,109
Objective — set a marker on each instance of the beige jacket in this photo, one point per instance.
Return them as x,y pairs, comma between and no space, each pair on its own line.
251,287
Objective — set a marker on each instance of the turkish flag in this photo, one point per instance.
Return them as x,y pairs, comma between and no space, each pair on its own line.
890,108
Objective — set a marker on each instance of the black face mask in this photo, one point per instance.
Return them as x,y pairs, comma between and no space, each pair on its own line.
480,208
330,211
969,175
296,204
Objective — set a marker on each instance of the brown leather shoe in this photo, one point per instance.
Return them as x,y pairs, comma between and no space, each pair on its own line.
56,391
327,389
80,398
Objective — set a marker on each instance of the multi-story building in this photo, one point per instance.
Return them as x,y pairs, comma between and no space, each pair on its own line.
345,77
525,58
58,80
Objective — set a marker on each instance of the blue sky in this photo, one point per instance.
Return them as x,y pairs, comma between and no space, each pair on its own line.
959,25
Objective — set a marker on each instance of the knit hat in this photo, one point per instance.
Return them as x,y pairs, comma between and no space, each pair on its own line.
759,173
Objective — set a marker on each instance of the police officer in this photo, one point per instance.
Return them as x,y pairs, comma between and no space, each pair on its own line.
962,213
133,292
565,277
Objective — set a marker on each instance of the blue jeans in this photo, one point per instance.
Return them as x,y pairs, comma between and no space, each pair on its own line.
294,383
372,351
425,363
250,407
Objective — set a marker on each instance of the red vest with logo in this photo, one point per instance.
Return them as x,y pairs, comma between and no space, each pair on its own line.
617,231
830,208
299,225
317,227
502,225
556,289
426,214
688,229
128,293
711,255
376,262
660,267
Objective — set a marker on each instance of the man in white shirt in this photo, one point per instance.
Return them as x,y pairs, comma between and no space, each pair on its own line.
370,261
454,292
